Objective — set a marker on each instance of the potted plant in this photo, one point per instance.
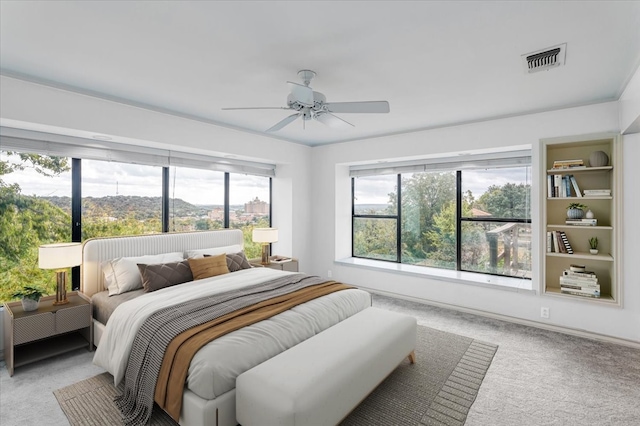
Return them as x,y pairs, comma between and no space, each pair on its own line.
575,210
30,296
593,244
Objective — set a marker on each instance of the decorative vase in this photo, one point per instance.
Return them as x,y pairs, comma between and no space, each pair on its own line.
589,214
30,304
593,251
598,159
575,213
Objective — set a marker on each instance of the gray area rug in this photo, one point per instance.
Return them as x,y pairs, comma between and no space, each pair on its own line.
438,389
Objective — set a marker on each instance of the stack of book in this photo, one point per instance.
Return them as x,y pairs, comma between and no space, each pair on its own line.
597,192
559,186
568,164
583,283
557,242
582,222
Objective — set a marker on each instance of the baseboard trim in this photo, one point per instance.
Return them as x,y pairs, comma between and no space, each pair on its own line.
550,327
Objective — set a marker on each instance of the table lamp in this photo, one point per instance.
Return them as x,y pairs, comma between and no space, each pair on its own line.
60,256
265,236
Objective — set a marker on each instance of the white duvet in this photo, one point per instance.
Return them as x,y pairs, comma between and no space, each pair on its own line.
214,368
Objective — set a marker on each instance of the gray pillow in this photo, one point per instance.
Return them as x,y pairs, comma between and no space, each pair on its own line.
155,277
237,261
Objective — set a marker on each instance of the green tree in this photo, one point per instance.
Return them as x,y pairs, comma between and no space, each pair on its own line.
507,201
26,222
375,238
443,238
424,195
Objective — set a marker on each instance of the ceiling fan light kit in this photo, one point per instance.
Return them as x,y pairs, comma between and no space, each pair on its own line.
311,105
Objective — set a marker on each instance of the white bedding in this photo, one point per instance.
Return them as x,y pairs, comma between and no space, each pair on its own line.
215,367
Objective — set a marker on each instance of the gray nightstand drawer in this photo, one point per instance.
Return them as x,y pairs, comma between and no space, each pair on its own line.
48,331
290,266
33,327
73,318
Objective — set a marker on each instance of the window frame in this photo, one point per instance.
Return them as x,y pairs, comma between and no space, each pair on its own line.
460,219
397,218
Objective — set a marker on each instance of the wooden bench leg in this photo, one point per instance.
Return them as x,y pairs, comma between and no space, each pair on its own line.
412,357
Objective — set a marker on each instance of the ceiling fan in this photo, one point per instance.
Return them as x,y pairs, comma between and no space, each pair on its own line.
309,105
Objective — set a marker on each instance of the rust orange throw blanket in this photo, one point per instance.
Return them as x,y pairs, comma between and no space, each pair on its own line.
175,364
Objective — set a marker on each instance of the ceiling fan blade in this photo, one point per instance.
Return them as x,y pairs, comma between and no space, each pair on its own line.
279,125
332,120
358,107
256,108
302,94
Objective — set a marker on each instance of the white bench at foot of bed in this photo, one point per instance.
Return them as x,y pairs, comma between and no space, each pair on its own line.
321,380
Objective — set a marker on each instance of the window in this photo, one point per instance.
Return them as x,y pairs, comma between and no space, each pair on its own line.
196,199
375,217
468,216
35,209
496,224
428,225
162,191
249,207
120,199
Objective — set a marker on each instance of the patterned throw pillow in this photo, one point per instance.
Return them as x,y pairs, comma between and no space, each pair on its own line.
237,261
209,266
155,277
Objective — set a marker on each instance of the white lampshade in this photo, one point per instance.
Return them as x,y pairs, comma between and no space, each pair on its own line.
60,255
265,235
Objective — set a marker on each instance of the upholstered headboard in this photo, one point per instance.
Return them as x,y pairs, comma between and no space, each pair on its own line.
96,251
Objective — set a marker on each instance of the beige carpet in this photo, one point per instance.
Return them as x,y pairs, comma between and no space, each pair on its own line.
438,390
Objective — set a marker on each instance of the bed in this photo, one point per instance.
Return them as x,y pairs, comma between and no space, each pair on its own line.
209,392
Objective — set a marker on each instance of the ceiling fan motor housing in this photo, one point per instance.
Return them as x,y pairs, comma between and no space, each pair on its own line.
308,111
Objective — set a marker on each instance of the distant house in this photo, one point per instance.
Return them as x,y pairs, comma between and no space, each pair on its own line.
479,213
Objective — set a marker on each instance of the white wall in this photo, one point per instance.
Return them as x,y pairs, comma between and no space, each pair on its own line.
332,229
630,106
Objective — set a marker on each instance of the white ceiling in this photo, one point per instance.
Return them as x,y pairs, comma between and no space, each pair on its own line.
437,63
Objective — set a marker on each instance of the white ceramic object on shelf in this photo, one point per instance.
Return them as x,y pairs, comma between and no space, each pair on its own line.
593,251
589,214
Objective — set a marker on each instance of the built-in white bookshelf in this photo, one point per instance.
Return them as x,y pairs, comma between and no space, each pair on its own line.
606,209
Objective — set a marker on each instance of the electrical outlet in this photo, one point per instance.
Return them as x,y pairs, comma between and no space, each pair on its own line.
544,312
329,273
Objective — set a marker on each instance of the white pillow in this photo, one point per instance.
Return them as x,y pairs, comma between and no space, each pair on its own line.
214,251
122,274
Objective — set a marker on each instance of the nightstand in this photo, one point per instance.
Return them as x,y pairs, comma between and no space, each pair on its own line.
48,331
289,265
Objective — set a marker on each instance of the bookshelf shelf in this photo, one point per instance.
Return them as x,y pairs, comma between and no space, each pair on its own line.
583,255
578,198
579,170
606,209
602,299
583,227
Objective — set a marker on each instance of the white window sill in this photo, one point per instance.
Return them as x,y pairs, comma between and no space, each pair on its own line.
519,285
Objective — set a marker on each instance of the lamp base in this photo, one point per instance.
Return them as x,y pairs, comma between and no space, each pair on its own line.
265,254
61,289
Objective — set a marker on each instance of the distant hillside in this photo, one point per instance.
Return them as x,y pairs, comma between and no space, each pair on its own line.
371,208
121,206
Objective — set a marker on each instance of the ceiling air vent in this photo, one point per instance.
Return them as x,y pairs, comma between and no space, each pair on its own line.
545,59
